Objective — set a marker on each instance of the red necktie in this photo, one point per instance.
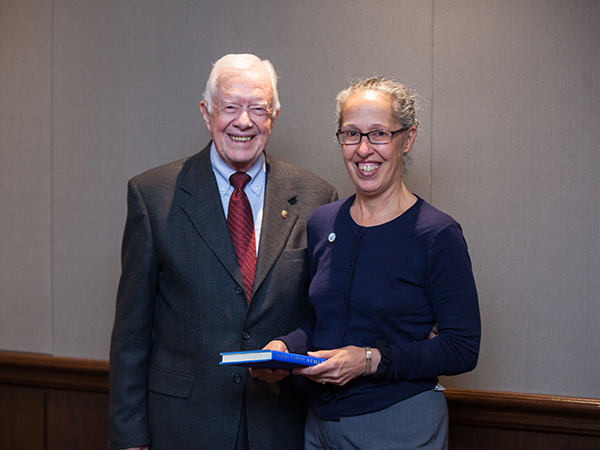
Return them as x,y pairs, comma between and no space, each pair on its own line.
241,229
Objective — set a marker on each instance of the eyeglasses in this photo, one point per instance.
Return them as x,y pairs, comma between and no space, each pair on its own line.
353,137
255,111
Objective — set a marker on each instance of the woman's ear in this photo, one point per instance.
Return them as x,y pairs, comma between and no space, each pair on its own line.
410,137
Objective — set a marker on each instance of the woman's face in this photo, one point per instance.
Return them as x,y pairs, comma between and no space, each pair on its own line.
374,168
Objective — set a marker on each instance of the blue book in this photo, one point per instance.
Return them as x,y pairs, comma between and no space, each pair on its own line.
270,359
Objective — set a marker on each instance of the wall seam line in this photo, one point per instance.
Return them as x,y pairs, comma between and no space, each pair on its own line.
52,177
432,102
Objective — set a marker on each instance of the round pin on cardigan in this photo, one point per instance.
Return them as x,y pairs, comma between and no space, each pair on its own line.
284,214
331,237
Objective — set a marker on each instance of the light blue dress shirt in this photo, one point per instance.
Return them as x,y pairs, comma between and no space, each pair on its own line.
255,189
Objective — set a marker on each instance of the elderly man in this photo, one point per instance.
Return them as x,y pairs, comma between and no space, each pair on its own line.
214,259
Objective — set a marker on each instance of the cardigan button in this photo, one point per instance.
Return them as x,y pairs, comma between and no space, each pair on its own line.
239,290
246,335
237,378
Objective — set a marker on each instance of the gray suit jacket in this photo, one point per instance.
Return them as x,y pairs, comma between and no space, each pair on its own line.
180,303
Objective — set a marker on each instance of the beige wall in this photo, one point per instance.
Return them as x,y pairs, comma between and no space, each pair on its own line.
92,93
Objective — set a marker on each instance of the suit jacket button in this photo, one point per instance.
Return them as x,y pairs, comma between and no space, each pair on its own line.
239,290
237,378
246,335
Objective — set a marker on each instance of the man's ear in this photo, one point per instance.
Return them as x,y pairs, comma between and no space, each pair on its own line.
205,114
273,118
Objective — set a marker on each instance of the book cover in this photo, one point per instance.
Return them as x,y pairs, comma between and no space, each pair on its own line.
268,359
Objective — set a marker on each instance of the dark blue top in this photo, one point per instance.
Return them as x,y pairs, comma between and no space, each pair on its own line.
389,282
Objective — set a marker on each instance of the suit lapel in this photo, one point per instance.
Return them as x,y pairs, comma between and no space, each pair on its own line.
204,202
275,227
205,210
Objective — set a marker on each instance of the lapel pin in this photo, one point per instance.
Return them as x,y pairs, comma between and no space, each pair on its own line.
331,237
284,214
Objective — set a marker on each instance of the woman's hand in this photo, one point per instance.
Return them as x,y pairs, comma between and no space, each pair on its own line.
342,365
272,375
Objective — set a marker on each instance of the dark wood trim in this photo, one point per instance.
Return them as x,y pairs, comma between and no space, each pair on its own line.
34,370
468,408
528,412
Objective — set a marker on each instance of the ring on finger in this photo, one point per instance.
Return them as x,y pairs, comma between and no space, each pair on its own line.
323,380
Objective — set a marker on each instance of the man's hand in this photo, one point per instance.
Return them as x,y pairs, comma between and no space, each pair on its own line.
272,375
434,332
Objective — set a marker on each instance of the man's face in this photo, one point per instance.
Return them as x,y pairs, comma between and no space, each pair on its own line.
241,119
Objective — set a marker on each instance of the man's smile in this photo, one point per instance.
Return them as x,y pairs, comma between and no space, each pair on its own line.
240,138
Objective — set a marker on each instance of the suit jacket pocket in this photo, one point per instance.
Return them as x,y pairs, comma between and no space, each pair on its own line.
170,383
296,254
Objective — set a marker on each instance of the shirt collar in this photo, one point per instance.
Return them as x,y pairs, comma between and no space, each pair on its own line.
223,172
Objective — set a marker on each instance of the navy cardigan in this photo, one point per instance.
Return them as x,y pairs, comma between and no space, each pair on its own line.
391,283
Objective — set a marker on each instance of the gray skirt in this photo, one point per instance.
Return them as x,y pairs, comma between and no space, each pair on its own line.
419,422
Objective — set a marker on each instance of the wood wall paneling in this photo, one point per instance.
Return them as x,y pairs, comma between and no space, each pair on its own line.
77,420
477,438
22,418
503,420
52,403
49,403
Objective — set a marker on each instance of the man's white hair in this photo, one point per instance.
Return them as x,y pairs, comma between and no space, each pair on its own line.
237,64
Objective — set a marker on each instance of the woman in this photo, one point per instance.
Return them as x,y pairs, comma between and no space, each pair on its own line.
386,266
